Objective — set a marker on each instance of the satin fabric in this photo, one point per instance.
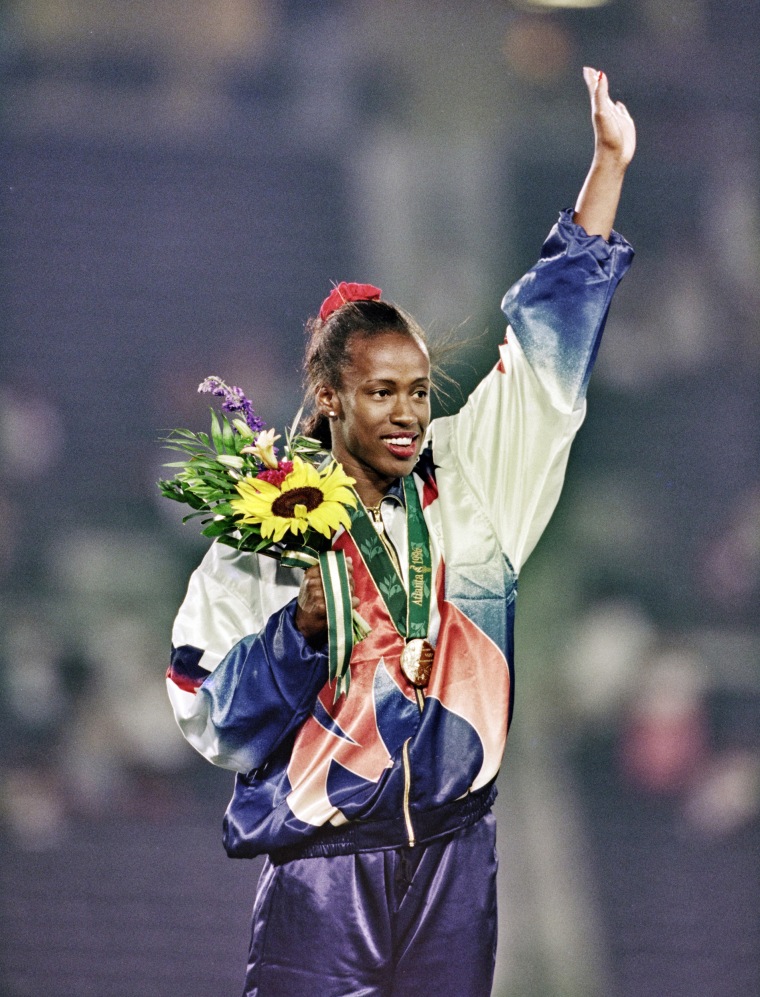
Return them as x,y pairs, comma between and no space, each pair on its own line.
489,478
393,923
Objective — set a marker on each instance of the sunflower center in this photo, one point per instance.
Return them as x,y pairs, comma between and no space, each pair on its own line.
284,505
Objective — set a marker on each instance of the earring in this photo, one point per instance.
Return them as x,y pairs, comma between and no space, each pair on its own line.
331,414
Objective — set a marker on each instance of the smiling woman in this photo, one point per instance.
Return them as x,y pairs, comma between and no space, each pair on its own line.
379,409
374,807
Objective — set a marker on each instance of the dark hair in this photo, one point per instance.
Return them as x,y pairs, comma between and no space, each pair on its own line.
327,348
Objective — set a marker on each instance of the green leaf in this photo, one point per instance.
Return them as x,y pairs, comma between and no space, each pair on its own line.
216,528
228,435
194,515
170,491
195,502
308,444
262,545
290,434
205,462
178,448
188,434
216,433
229,541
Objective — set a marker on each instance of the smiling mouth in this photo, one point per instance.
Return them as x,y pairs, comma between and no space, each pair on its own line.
403,445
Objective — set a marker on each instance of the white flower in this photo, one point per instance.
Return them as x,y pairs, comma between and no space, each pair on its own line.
264,448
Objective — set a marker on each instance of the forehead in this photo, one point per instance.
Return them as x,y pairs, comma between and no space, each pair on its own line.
392,356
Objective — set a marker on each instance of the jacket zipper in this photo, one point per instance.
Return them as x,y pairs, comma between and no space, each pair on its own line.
407,787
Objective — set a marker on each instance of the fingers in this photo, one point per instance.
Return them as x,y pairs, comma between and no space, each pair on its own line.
590,77
614,129
311,597
602,92
350,569
354,597
597,85
311,608
311,604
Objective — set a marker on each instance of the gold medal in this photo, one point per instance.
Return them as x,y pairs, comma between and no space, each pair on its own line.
417,662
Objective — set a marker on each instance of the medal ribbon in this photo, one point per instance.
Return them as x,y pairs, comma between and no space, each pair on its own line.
410,614
340,618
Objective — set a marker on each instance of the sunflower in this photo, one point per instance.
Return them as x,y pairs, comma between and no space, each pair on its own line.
306,499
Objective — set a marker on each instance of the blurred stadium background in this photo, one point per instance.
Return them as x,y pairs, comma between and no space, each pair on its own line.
181,182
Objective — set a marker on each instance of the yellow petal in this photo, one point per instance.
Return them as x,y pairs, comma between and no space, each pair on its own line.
268,528
328,517
253,485
298,477
342,495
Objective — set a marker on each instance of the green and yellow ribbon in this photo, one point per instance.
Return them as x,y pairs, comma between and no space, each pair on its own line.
344,626
410,611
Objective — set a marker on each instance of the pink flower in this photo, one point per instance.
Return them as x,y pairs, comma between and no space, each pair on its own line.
276,477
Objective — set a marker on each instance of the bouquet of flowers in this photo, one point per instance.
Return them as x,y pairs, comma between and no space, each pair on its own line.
288,507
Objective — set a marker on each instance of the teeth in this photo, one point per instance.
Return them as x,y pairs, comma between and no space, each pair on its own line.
400,441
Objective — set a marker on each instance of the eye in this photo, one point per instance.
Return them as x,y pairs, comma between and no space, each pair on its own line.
421,393
381,393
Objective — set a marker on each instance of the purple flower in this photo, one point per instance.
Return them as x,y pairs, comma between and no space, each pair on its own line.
234,401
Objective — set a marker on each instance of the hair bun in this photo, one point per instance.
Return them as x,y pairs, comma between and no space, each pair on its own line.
346,292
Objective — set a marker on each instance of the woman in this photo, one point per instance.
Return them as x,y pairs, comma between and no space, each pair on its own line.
374,810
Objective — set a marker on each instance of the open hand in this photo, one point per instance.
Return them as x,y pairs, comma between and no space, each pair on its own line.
614,130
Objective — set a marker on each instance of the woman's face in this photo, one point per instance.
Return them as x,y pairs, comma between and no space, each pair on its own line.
382,410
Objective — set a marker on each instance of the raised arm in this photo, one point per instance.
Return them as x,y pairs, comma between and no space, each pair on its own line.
614,146
507,449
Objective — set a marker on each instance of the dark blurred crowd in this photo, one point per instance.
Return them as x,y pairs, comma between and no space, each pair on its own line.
181,184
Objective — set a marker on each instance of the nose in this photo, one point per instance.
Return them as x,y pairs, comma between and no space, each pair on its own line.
403,414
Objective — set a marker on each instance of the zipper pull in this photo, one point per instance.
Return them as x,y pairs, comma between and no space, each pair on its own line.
377,519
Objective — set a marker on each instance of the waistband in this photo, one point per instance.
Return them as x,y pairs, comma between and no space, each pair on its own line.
374,836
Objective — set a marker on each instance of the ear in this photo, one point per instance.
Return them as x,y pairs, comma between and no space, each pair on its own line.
328,403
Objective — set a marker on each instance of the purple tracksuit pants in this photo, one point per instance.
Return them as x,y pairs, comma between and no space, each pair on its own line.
405,922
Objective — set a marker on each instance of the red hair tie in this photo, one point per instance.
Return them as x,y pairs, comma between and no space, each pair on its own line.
347,292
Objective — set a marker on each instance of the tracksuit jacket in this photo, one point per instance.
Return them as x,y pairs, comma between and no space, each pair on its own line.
379,768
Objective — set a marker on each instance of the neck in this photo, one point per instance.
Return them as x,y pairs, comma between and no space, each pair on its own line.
372,493
370,486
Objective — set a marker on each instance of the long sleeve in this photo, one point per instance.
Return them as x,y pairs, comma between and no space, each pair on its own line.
242,677
508,446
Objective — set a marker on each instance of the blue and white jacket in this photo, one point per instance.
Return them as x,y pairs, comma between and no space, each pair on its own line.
380,768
